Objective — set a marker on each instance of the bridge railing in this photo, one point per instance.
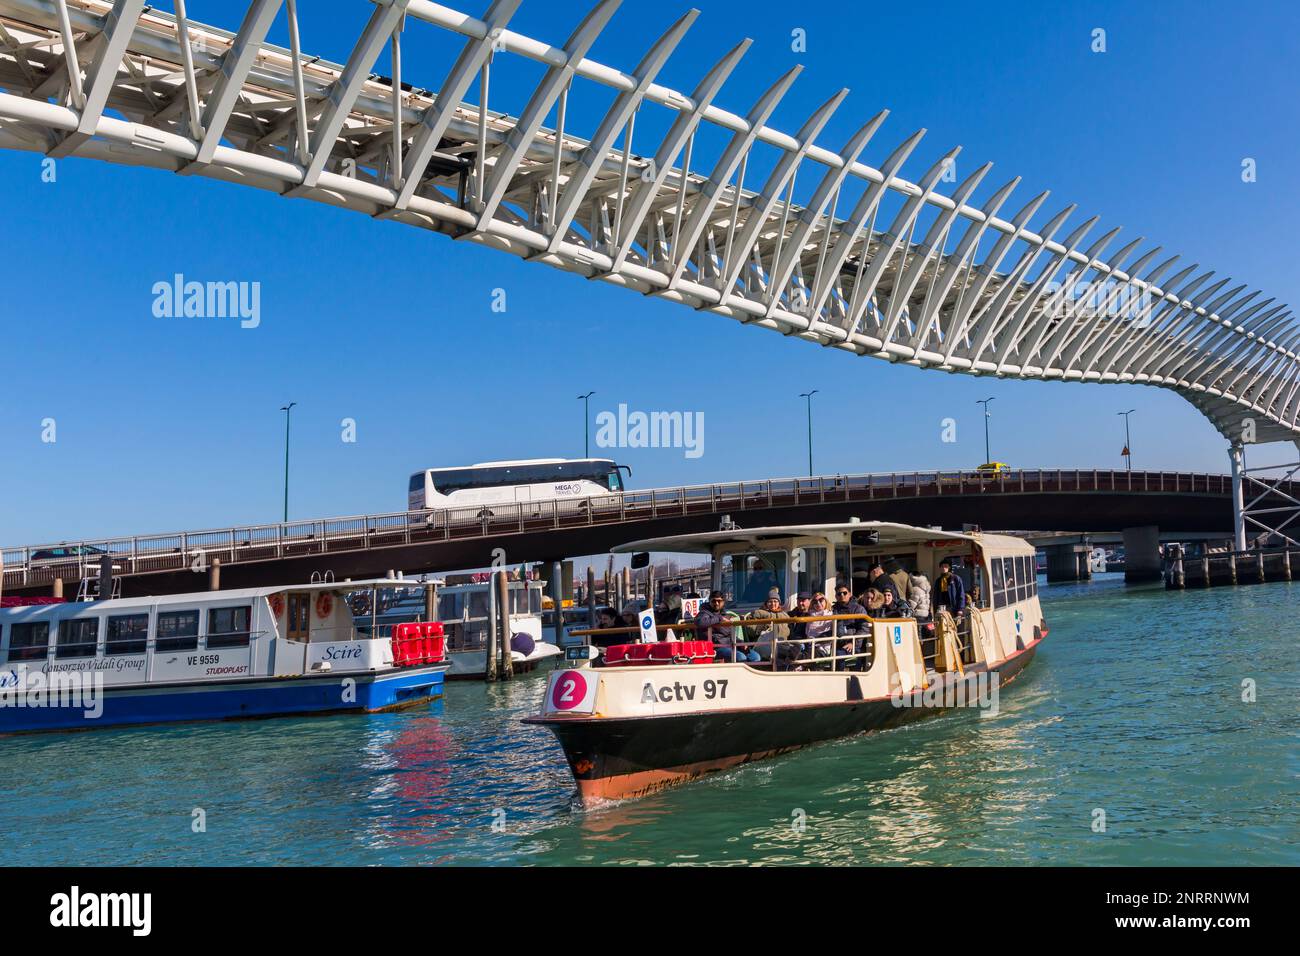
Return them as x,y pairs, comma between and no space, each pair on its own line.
36,565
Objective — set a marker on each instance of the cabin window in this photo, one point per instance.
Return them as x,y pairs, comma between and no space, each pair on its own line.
78,637
228,626
519,601
128,634
449,607
810,573
29,642
979,588
478,604
178,631
999,583
749,577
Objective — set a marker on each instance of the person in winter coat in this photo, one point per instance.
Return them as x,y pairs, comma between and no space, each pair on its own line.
949,591
918,595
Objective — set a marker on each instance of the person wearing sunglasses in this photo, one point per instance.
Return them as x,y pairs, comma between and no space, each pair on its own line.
845,603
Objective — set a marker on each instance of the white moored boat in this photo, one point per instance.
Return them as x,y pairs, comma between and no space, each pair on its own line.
465,612
250,652
639,720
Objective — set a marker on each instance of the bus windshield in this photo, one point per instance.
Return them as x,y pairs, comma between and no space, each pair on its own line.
603,473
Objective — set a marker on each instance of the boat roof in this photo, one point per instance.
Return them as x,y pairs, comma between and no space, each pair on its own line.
205,598
890,534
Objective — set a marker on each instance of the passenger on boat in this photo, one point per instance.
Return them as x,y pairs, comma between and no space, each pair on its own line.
606,618
893,608
630,616
842,579
898,574
761,581
712,624
846,604
802,608
764,635
882,581
819,607
918,595
874,601
949,591
671,612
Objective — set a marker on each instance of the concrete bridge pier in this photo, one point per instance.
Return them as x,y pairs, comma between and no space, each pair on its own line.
1068,562
1142,554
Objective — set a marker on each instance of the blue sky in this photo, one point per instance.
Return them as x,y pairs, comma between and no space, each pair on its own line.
167,423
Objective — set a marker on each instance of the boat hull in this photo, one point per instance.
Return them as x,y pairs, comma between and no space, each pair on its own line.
622,758
229,700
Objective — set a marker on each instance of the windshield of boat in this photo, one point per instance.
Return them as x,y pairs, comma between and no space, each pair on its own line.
749,577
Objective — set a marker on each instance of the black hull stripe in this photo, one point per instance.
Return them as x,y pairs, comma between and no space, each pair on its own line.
651,752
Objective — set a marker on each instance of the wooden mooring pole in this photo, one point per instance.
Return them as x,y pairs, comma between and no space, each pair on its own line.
491,641
503,624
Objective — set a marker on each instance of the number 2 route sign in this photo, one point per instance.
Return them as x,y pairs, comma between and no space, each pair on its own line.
573,692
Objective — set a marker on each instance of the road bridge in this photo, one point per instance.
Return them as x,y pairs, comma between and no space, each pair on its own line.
429,541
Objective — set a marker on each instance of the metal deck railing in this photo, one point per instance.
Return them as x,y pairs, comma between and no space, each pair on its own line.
26,566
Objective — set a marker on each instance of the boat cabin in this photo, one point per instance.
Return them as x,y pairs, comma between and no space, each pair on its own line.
248,632
997,572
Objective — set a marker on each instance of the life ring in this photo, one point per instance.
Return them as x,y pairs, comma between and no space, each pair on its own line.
324,605
277,604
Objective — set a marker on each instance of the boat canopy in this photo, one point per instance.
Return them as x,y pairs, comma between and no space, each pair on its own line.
890,534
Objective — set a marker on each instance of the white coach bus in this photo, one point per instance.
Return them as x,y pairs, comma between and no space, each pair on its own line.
514,482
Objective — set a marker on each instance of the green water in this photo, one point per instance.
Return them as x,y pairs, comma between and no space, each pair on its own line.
1133,707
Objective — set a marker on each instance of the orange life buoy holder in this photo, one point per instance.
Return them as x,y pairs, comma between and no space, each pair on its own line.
324,605
277,604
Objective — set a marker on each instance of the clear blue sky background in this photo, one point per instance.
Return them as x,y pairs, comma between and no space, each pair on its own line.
173,423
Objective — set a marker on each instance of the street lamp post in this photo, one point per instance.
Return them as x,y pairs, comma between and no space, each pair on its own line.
1128,444
286,409
808,396
988,457
586,423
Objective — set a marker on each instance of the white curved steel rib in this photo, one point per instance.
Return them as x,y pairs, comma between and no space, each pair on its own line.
165,91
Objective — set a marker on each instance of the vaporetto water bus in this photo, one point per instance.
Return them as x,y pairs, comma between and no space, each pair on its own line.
253,652
644,716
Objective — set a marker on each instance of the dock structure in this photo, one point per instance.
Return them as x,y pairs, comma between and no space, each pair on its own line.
868,257
1229,568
